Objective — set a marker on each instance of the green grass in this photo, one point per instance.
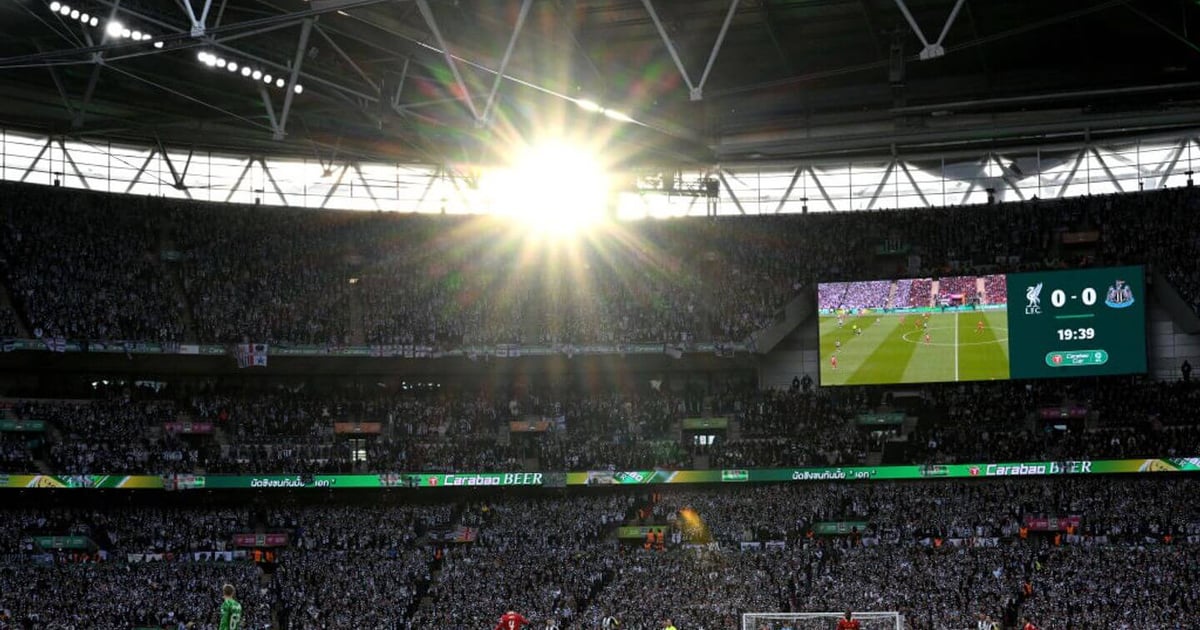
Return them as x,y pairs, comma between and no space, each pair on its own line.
889,351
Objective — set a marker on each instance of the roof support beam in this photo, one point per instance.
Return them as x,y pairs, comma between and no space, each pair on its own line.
74,167
732,196
237,184
485,119
266,100
197,22
1104,165
788,193
882,182
821,188
695,90
1071,176
935,49
913,182
138,175
347,58
1166,172
769,25
36,159
1007,176
271,178
290,90
431,21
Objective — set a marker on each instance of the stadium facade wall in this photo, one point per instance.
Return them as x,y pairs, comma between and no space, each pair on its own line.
1168,344
796,355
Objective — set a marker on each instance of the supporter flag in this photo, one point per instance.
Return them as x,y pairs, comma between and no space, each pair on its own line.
8,345
251,355
55,344
675,352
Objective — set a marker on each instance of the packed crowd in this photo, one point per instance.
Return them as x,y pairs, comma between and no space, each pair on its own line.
82,265
920,293
995,288
281,431
939,552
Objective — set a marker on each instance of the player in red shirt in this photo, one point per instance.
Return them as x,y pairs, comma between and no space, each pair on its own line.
833,361
927,339
848,623
1028,624
511,621
979,326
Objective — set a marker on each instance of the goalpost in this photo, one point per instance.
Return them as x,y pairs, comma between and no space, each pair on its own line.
820,620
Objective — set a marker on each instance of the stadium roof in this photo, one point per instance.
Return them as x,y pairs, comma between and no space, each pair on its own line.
703,81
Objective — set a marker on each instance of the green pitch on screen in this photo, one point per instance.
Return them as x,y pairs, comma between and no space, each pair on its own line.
963,345
1081,322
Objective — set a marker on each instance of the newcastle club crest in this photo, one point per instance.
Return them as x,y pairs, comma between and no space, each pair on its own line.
1119,295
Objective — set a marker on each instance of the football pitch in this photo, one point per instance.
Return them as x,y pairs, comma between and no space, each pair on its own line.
892,348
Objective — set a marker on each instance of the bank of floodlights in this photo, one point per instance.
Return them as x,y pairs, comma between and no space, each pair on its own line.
254,74
114,28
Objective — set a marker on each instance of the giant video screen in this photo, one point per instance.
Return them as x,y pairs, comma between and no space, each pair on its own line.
1079,322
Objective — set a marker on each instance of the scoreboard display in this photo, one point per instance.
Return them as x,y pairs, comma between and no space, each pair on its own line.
1082,322
1047,324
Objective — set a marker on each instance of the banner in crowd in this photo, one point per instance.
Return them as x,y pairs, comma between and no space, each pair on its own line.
28,426
272,539
1056,413
838,528
250,354
358,427
610,477
63,542
1038,523
879,419
630,532
701,424
195,428
458,534
534,424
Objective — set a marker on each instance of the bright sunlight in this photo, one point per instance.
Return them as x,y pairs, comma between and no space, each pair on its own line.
557,189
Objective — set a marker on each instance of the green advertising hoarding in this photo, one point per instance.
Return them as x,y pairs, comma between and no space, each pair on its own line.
701,424
28,426
608,478
63,542
838,528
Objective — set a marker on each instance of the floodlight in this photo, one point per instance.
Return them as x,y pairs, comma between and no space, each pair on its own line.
95,21
74,14
113,28
617,116
587,105
298,89
220,62
257,75
55,6
158,44
126,33
232,66
85,18
65,10
267,79
245,71
136,35
279,82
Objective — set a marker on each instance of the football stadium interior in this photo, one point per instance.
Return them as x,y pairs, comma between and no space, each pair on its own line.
577,314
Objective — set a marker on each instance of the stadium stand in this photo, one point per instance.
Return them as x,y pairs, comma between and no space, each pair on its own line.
276,275
454,563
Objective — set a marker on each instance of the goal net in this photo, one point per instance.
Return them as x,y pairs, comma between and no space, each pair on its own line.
820,621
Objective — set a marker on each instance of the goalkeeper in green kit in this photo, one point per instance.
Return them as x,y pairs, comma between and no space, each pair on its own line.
231,610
